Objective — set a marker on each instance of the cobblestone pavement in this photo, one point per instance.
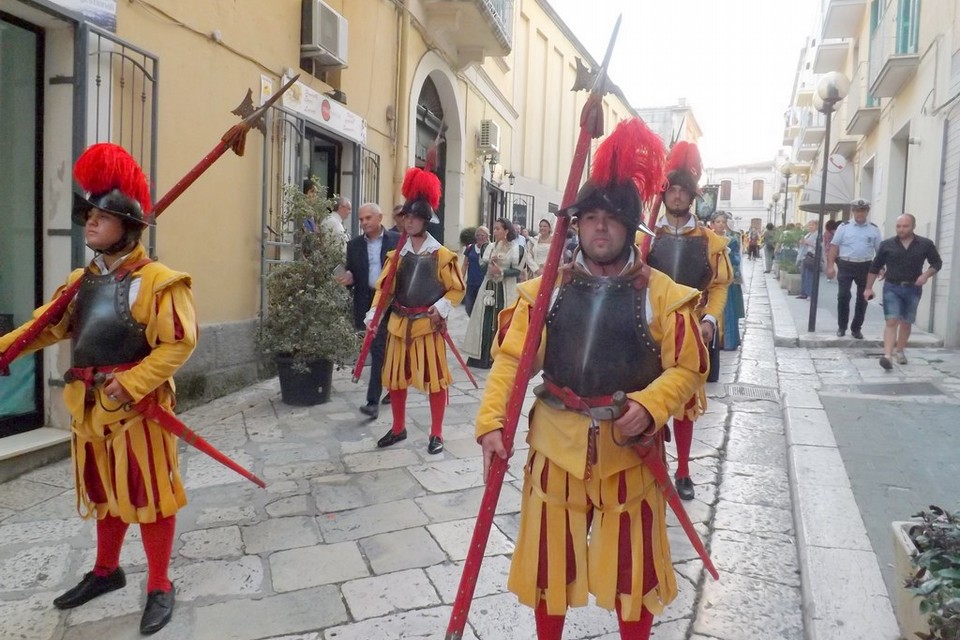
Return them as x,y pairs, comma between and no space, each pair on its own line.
349,542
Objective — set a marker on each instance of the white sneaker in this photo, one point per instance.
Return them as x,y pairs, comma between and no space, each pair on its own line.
900,358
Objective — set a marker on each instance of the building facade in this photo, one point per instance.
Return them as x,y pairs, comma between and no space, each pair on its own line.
379,79
746,191
899,126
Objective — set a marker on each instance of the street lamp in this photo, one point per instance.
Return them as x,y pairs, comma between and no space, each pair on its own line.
776,201
787,170
831,89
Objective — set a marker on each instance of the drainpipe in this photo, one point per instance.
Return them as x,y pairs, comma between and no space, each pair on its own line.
936,233
400,141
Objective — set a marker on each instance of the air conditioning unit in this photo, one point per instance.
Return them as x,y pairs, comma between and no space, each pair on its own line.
489,136
323,34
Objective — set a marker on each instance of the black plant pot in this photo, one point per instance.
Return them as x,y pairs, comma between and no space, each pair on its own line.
304,388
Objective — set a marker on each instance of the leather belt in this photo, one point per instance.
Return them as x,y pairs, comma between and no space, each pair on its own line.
855,261
597,407
95,376
904,283
411,313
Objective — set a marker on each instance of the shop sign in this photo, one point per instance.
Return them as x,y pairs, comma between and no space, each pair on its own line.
319,109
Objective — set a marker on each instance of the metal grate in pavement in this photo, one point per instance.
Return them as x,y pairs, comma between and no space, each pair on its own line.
754,393
901,389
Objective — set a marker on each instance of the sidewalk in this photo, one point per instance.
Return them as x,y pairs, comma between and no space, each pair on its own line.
349,542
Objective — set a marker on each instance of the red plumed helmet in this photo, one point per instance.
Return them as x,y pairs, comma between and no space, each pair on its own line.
421,189
112,181
627,171
684,167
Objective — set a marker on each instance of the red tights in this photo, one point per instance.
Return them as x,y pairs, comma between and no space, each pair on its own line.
683,432
398,405
157,542
551,627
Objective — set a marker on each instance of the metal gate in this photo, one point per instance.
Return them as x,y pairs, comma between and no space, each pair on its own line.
115,101
518,208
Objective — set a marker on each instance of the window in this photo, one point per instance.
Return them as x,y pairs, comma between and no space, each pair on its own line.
758,190
725,186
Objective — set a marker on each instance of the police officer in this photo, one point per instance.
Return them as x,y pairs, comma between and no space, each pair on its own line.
852,249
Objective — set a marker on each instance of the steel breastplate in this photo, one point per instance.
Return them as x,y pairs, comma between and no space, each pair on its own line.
598,341
418,280
104,331
684,258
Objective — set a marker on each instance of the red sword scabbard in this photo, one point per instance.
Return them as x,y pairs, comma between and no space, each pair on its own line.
154,412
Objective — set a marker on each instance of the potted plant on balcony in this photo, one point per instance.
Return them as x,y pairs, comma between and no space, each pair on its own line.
927,558
308,326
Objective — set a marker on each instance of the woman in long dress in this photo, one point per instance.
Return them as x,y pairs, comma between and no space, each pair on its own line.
497,292
542,245
734,309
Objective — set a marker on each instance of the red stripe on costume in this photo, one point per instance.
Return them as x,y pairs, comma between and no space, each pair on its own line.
679,335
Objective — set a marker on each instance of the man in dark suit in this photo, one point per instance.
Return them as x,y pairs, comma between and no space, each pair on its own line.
366,255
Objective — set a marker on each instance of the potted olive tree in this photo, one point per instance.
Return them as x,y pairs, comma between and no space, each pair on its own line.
927,558
308,326
789,243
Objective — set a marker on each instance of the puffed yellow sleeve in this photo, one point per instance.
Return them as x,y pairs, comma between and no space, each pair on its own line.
52,333
683,356
506,358
451,277
722,276
171,331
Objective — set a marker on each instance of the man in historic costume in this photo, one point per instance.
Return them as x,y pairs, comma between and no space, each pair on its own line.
426,286
131,326
692,255
592,516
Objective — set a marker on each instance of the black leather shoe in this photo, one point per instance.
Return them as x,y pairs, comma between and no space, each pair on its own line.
158,611
391,438
885,363
856,334
685,488
370,410
435,446
89,588
386,399
841,333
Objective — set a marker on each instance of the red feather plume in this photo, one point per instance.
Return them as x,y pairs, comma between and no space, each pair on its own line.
685,155
104,167
631,152
419,184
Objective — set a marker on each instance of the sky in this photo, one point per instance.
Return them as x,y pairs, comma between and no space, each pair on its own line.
733,60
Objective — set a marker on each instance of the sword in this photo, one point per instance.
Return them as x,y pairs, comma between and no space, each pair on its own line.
651,453
446,337
150,410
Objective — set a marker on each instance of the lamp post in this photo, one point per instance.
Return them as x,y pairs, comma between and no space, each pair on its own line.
787,170
831,89
776,201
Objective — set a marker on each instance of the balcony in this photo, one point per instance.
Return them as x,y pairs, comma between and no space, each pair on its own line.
807,152
831,56
471,29
863,108
894,48
846,146
813,126
842,18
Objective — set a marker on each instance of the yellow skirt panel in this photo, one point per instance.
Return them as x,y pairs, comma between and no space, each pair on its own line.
421,364
595,561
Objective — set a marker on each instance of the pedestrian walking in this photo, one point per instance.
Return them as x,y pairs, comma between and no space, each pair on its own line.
333,223
900,259
366,256
427,286
852,249
807,260
591,519
131,327
769,239
474,271
498,290
694,256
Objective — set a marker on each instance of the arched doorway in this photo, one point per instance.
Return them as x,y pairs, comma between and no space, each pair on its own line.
429,125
